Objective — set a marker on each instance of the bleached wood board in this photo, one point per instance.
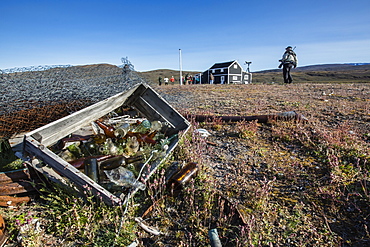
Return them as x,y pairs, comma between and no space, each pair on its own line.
56,130
36,149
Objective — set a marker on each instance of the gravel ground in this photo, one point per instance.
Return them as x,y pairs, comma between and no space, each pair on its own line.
20,91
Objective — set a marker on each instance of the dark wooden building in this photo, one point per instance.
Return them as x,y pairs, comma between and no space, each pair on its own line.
225,73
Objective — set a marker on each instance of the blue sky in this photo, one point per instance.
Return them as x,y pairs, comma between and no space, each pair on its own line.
150,33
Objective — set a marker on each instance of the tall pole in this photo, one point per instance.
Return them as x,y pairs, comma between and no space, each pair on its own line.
180,62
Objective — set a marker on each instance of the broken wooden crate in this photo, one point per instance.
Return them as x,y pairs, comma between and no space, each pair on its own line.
141,97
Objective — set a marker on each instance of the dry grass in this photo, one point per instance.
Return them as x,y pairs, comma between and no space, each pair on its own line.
299,184
275,184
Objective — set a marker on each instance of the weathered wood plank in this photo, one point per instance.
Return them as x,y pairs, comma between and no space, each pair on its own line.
158,104
54,177
56,130
34,148
154,107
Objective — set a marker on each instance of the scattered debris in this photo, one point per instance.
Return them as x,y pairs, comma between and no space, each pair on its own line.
148,229
16,186
285,116
203,132
33,226
93,146
3,231
12,201
135,243
214,238
183,175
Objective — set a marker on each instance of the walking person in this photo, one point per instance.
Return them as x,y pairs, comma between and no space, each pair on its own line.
288,61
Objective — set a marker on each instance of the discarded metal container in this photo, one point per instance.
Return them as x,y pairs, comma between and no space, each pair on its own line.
16,185
3,233
147,104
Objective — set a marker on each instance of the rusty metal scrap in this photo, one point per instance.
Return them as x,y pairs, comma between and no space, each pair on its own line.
16,175
286,116
20,183
8,201
26,120
17,188
3,234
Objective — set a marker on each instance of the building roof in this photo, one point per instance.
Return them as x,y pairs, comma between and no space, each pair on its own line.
222,65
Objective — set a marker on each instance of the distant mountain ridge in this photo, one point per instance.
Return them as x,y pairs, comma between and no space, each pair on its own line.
321,73
325,67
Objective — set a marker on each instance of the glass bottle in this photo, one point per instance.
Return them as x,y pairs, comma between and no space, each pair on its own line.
67,155
91,169
143,127
143,137
156,126
183,176
124,177
89,148
147,138
80,163
62,143
108,129
75,149
132,145
111,147
115,162
167,140
172,170
122,130
99,138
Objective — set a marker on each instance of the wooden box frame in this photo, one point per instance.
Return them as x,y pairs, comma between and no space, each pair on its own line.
141,97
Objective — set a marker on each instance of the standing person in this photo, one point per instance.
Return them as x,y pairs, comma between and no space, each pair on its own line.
197,79
160,81
172,80
186,79
165,81
288,61
211,78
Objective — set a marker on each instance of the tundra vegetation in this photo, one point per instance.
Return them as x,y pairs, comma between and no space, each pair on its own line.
281,183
